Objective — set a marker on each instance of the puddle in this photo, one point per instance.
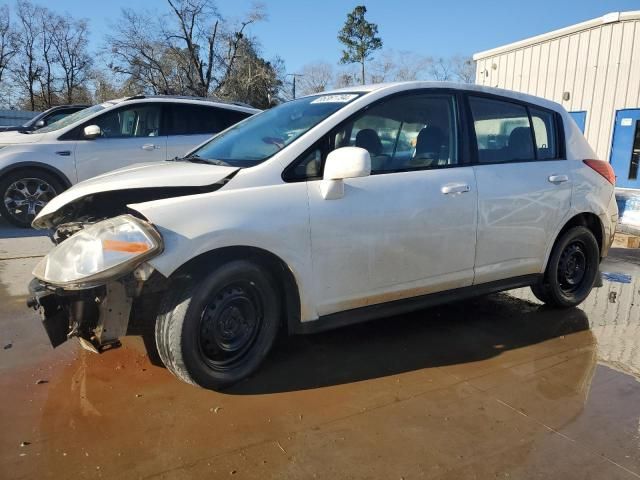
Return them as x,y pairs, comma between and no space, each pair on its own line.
616,277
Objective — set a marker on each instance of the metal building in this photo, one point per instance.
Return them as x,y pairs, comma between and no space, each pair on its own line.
593,70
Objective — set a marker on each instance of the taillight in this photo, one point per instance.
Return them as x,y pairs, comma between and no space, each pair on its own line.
603,168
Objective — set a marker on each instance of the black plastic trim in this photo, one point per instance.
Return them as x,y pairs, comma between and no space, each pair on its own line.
397,307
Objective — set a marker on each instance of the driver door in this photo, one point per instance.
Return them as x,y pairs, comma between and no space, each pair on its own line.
409,228
130,134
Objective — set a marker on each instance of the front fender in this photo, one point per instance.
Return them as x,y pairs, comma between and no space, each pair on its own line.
273,218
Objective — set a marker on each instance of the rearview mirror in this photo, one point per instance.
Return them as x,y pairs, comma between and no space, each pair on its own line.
91,131
344,162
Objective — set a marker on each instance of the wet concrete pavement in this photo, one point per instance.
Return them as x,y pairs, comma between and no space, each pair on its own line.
496,387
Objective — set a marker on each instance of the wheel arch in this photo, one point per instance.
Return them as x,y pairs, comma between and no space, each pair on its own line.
286,282
37,166
584,219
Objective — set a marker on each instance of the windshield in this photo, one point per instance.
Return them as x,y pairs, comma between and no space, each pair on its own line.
71,119
259,137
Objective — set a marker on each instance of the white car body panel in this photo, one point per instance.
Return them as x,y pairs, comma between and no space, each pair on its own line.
518,209
178,145
391,236
274,218
94,157
144,175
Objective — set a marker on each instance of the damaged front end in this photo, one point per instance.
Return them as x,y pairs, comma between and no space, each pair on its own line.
96,282
98,316
85,287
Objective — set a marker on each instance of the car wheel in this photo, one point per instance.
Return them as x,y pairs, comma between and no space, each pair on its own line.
216,331
25,193
572,269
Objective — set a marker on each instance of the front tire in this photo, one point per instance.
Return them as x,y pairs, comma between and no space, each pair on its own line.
217,330
571,271
24,193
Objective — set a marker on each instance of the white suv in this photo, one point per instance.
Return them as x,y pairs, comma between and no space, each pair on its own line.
36,166
325,211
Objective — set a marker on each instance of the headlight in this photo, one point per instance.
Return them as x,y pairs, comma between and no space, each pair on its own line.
100,252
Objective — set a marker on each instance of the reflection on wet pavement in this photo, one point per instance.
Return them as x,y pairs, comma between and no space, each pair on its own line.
498,386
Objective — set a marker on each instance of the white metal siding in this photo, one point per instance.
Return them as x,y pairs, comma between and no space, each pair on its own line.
599,66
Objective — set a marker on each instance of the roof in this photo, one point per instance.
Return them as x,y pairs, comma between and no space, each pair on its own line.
393,87
214,101
613,17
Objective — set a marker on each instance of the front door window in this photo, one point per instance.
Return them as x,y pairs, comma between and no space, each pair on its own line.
138,120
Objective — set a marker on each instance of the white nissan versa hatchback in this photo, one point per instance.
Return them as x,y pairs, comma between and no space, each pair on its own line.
37,165
325,211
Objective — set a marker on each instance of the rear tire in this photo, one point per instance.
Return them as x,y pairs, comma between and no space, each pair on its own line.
571,271
217,330
23,193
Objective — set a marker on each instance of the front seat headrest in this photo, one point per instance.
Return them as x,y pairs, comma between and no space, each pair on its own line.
369,140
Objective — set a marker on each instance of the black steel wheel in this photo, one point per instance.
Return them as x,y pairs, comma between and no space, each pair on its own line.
216,330
24,194
230,324
572,269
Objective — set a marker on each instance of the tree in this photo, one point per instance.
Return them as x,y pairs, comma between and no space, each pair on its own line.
316,77
70,41
190,50
139,53
464,69
440,69
359,38
399,67
8,41
27,68
48,23
253,79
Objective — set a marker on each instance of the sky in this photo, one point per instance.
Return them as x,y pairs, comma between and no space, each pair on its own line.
302,32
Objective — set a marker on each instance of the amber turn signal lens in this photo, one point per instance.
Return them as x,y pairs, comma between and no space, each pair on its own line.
128,247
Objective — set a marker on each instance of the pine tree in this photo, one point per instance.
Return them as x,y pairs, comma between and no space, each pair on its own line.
359,38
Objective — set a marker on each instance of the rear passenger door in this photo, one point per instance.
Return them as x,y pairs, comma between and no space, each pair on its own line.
188,125
524,187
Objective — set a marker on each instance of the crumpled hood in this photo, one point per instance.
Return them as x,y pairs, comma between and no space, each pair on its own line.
145,178
16,138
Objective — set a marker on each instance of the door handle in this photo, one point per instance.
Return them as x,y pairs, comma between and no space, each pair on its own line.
64,153
455,188
149,146
558,178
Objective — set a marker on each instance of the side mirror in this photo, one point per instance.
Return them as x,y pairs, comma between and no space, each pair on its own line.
344,162
40,123
91,131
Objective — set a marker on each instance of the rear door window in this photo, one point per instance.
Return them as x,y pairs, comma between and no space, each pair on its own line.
503,131
190,119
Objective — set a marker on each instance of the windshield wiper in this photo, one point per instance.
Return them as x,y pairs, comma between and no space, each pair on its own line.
194,158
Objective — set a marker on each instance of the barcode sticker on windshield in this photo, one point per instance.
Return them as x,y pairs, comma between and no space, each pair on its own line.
343,98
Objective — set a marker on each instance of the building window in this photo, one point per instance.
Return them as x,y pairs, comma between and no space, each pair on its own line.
635,154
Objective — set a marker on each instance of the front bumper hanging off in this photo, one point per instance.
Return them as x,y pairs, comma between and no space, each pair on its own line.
98,316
